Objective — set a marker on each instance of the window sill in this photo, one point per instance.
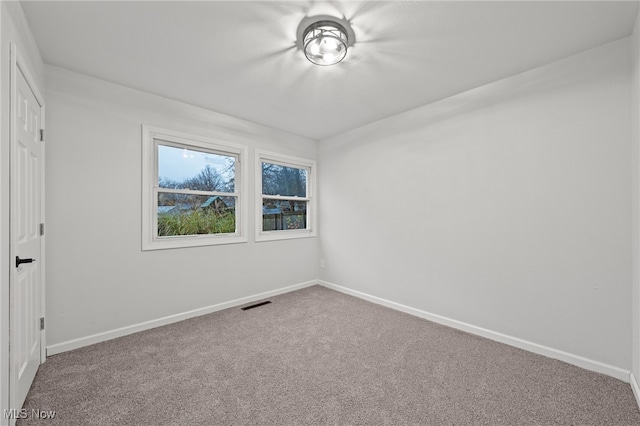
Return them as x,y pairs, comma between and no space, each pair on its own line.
192,241
284,235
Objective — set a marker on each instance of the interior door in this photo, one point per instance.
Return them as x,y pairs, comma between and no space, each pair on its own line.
25,289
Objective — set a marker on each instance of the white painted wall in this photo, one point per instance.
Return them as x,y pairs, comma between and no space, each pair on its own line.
506,207
635,168
13,29
98,278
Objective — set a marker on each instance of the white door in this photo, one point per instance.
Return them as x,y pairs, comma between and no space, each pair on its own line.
24,347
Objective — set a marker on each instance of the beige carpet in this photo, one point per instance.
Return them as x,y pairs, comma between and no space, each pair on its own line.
316,356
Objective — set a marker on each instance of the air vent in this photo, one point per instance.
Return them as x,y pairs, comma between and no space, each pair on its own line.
256,305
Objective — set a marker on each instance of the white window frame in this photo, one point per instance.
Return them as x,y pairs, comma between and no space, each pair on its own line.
151,138
288,161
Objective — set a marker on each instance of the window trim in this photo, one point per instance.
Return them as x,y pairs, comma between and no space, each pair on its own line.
288,161
150,137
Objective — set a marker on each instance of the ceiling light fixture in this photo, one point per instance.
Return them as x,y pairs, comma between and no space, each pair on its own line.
325,43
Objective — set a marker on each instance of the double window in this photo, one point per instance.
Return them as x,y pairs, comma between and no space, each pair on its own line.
193,191
285,201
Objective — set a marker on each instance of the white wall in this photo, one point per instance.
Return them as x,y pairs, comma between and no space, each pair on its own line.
506,207
635,167
13,29
98,279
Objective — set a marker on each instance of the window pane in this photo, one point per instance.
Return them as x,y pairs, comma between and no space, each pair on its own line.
283,215
187,214
285,181
181,168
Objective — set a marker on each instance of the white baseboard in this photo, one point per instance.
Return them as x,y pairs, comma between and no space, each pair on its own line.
123,331
635,388
576,360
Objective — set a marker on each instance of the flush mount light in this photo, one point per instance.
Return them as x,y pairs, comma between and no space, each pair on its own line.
325,42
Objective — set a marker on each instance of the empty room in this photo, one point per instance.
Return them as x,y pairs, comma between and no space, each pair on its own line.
319,212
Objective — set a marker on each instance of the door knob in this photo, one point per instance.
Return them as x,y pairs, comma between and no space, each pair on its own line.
21,261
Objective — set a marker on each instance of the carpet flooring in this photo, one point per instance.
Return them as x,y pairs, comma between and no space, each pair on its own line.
316,356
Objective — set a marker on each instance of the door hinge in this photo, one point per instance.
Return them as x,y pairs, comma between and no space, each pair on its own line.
41,229
42,323
41,135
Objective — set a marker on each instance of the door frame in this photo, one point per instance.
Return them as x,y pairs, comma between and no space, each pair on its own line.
18,64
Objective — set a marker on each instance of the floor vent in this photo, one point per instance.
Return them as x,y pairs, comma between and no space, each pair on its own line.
256,305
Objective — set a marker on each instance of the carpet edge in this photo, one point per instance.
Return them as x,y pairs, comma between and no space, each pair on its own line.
146,325
577,360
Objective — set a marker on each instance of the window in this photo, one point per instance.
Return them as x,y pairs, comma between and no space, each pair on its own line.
193,191
285,202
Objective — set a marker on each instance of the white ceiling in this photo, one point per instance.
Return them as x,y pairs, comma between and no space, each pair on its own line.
240,57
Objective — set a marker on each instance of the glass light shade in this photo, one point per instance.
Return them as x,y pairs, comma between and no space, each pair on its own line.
325,43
